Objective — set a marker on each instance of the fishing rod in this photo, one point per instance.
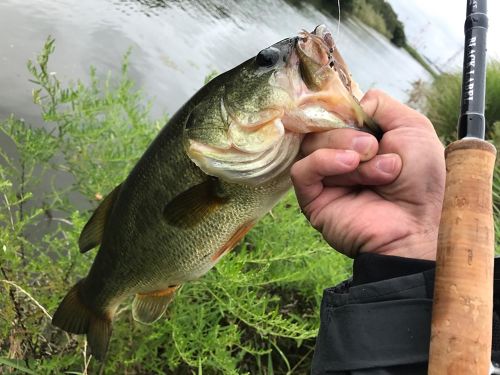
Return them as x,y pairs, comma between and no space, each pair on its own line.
462,311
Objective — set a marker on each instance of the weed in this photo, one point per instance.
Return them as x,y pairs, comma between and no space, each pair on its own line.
256,312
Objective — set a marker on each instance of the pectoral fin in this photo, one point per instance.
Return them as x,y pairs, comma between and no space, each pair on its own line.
91,235
191,206
148,308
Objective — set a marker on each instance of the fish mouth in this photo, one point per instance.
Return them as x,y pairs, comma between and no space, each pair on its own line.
326,96
315,53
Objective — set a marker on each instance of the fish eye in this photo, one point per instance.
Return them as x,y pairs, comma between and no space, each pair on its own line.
267,57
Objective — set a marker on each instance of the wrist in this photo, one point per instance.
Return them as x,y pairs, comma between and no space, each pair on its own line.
417,246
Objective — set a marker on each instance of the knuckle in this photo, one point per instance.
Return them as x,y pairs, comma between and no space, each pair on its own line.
320,157
373,93
422,121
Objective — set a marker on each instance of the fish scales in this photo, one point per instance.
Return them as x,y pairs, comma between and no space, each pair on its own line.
220,164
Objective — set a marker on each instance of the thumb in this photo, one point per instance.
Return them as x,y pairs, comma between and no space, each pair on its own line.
391,114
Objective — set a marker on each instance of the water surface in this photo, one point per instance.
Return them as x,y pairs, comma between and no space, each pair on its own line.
175,44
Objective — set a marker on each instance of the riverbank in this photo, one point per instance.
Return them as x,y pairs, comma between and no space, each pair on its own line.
421,60
380,16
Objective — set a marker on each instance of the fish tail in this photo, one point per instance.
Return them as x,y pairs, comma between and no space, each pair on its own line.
74,316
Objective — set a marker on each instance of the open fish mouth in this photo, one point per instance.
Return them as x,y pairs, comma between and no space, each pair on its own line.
307,88
328,54
326,95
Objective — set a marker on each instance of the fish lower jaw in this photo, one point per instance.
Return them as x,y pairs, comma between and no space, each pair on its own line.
252,169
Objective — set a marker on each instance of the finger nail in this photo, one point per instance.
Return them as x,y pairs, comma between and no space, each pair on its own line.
347,157
362,144
386,163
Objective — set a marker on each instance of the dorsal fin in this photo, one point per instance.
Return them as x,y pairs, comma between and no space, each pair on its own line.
192,205
91,235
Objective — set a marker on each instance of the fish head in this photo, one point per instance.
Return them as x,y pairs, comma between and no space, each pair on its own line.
247,124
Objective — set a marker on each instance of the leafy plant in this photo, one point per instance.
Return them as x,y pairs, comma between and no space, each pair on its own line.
256,312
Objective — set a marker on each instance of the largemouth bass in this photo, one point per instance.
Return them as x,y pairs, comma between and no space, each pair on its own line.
219,165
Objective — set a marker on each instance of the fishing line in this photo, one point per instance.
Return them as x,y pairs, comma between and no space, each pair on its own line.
338,24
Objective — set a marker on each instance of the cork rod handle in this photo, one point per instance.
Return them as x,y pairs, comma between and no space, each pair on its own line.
463,292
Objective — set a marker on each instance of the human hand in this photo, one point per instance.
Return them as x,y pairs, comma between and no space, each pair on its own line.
367,197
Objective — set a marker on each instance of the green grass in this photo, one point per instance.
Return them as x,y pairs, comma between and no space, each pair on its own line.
256,312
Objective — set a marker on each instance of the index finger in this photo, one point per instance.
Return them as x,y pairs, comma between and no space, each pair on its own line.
391,114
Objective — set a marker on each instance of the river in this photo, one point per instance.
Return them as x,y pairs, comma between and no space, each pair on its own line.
175,44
